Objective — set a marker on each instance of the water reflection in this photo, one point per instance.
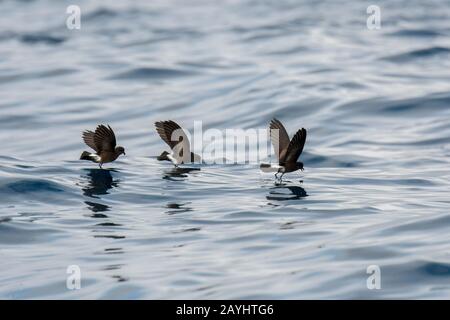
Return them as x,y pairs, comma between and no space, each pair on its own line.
119,278
97,207
284,192
178,172
113,251
109,236
175,208
100,181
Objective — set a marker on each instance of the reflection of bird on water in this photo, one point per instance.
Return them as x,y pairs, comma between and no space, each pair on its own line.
97,207
100,181
177,208
296,193
178,172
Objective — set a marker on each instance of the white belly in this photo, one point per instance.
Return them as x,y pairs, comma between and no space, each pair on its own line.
272,168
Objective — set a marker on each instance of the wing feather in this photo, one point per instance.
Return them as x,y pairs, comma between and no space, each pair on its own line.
296,145
104,139
279,137
175,137
88,137
169,131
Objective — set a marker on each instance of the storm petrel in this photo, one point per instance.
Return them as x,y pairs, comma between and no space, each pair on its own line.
103,141
287,151
172,134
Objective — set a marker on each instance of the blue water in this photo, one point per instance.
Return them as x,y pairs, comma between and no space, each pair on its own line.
376,104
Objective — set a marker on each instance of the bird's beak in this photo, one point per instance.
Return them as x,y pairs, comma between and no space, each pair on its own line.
124,153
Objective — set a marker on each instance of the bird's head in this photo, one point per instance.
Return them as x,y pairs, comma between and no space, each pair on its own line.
120,150
300,165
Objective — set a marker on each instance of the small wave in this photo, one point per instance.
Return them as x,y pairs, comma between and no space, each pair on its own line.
423,104
418,54
151,73
35,190
7,35
436,269
100,13
9,78
420,225
37,38
412,107
9,158
13,233
289,51
109,13
29,185
54,73
344,161
414,33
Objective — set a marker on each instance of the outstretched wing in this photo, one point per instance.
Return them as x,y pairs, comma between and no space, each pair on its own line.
296,145
279,137
103,139
88,137
172,134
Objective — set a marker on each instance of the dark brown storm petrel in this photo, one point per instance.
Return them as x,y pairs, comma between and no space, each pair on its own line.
287,151
103,141
172,134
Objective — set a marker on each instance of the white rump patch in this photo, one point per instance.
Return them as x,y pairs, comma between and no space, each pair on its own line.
95,157
270,167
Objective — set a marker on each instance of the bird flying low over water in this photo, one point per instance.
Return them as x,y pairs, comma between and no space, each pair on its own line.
103,141
286,150
172,134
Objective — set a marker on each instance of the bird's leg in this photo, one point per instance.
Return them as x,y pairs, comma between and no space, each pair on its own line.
100,165
281,178
276,175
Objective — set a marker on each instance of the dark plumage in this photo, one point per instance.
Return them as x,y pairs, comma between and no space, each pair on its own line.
287,151
103,142
172,134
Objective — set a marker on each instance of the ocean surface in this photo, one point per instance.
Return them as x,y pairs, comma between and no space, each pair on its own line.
376,185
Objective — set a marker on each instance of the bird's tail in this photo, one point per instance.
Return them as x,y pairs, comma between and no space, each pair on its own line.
163,156
267,167
88,156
